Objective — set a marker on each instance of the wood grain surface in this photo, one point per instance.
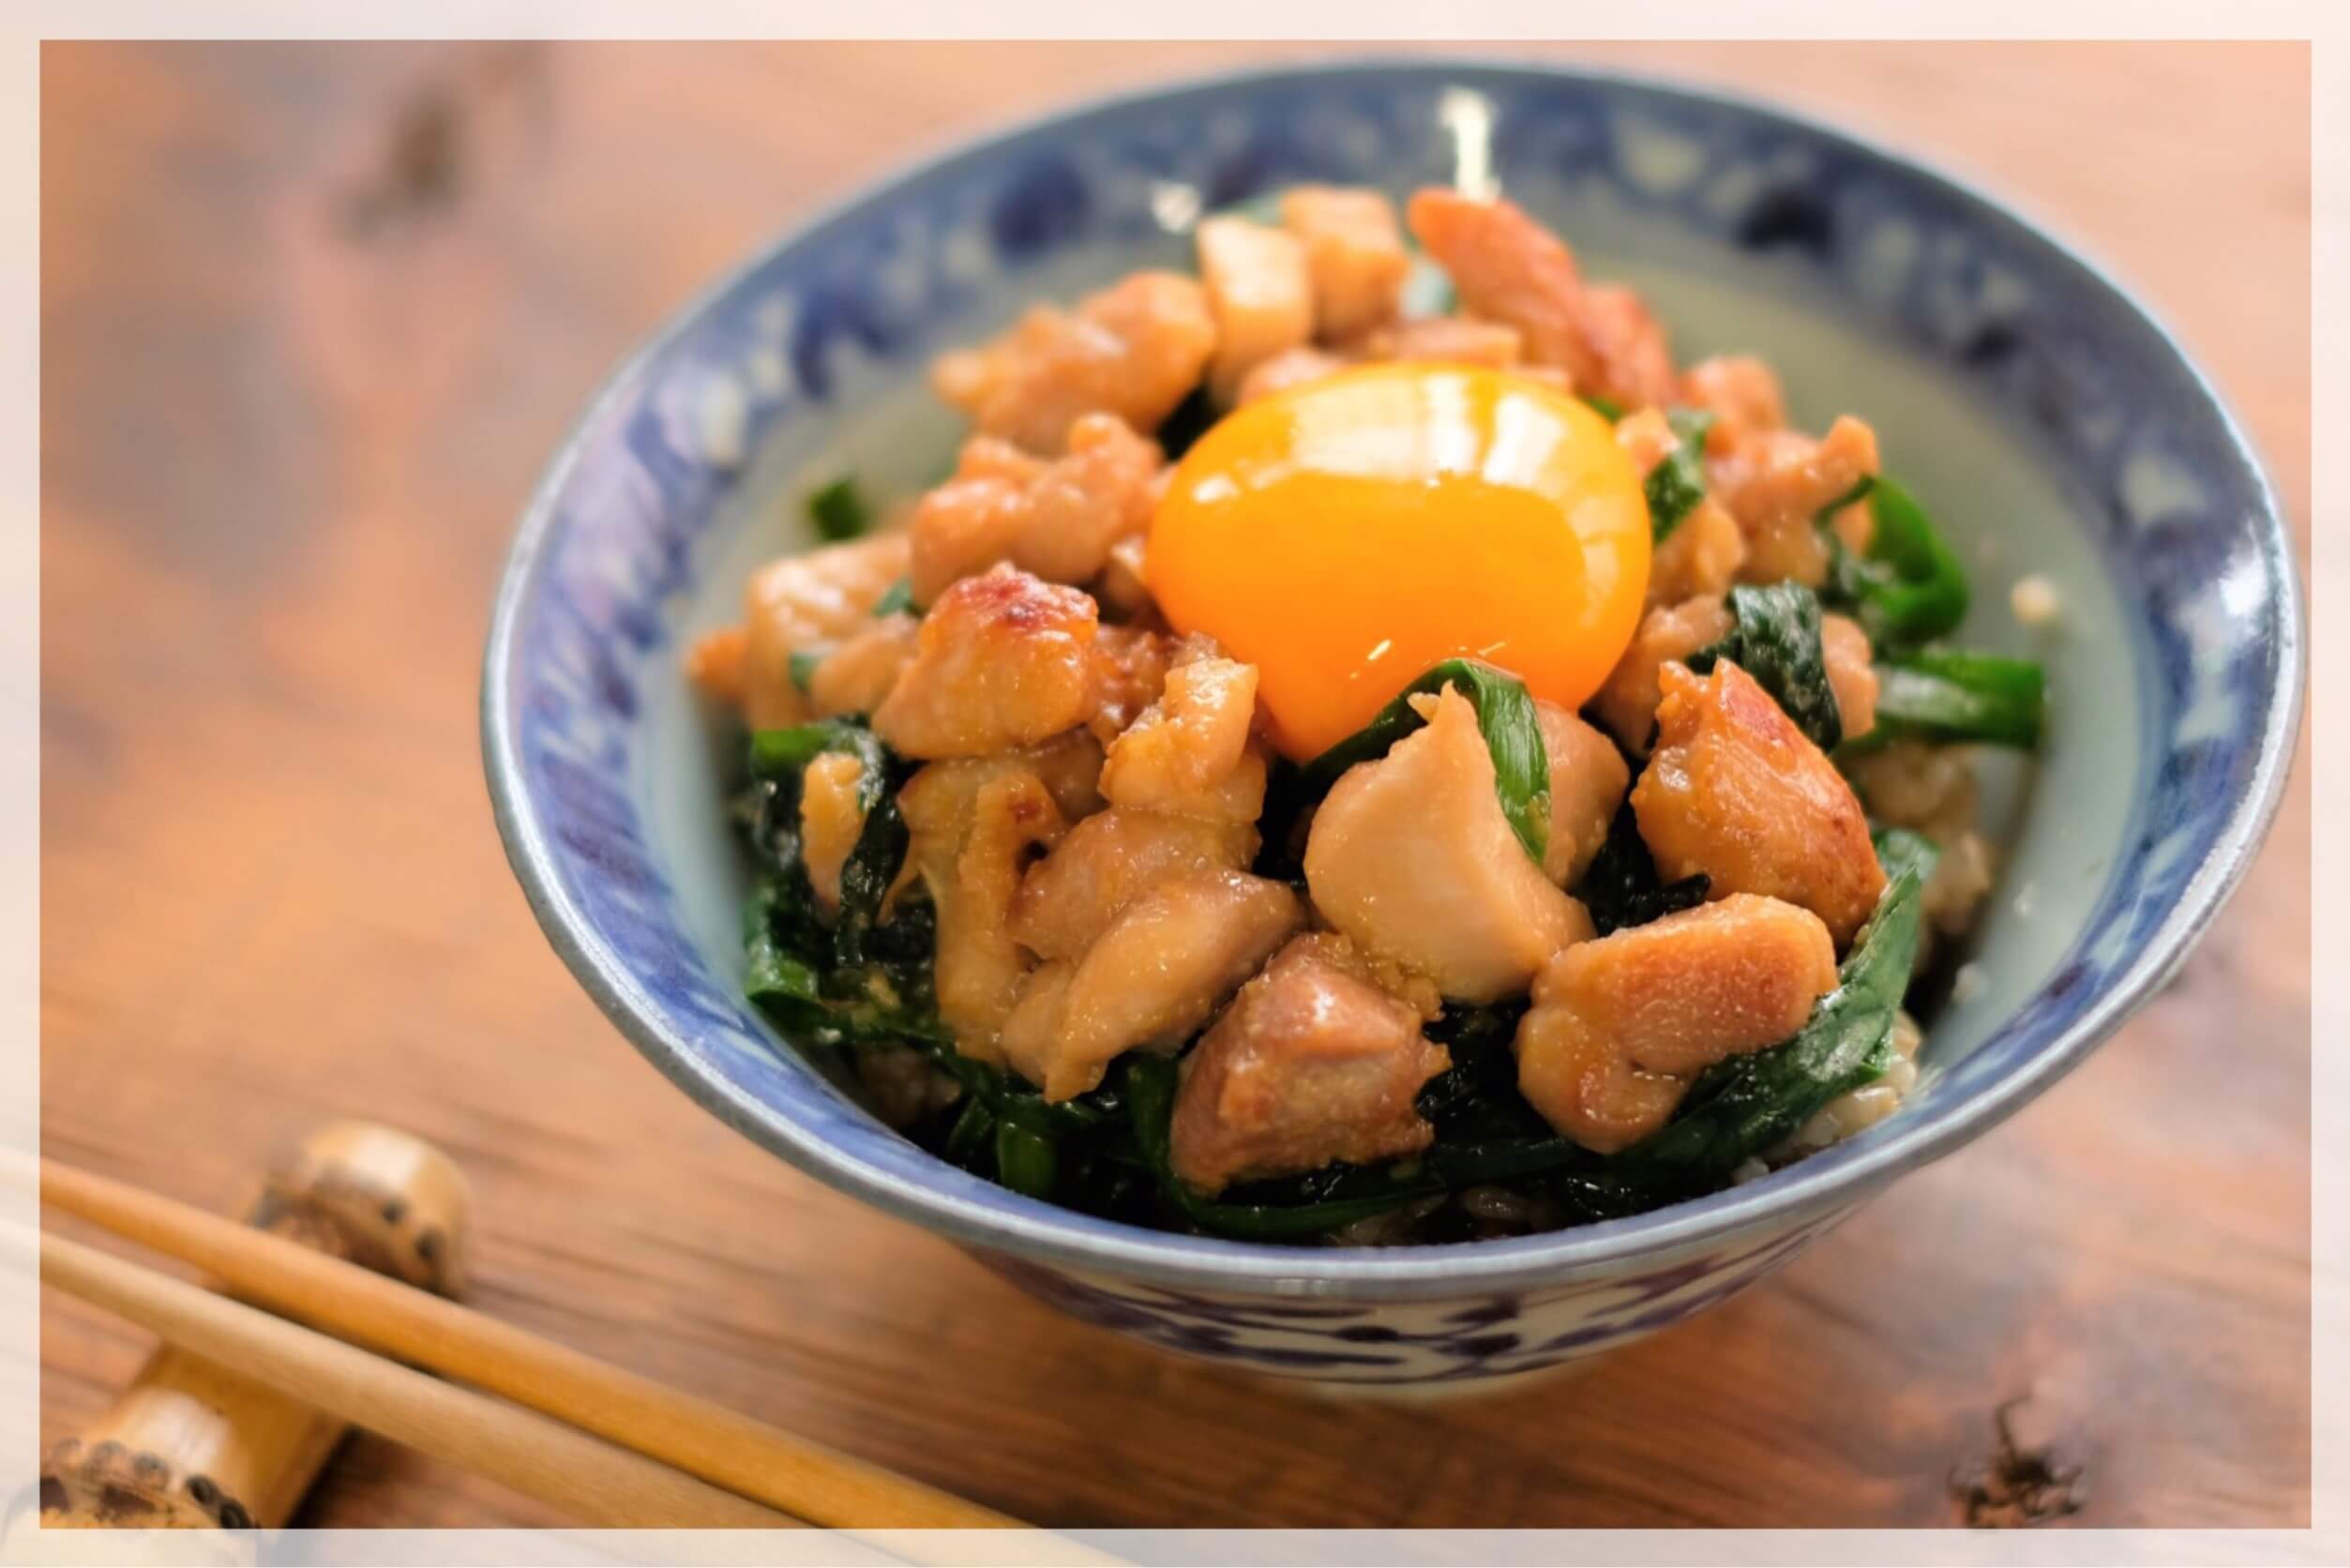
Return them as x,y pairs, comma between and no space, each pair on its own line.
311,318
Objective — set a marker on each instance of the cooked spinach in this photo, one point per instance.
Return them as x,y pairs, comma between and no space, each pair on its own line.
1909,587
1621,886
1505,714
781,757
1777,640
1606,407
1676,485
1949,696
839,511
802,665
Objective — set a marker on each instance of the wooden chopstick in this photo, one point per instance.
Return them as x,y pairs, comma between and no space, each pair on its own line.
723,1447
596,1482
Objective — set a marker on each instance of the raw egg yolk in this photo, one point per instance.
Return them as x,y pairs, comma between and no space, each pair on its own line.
1348,534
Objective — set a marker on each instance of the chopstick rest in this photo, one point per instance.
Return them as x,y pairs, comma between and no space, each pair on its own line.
190,1444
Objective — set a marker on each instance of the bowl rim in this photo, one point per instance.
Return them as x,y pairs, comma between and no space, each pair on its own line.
1042,1232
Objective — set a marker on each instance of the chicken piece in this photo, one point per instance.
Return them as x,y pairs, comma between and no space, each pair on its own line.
1851,672
1283,370
714,663
801,602
1133,350
1260,293
1129,673
1702,556
1910,784
1410,856
1737,792
969,839
831,818
1647,437
1509,269
1446,339
1311,1065
1057,519
971,824
1626,703
1587,780
1120,588
1003,659
858,675
1620,1026
1354,254
1187,742
1777,482
1741,392
1069,897
1635,362
1161,970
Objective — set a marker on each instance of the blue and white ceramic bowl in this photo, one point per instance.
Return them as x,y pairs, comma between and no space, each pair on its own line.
2054,425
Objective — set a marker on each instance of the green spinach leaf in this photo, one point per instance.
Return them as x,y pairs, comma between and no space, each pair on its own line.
1621,887
1676,485
1777,640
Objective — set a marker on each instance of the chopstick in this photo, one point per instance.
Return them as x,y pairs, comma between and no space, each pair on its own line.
722,1447
592,1480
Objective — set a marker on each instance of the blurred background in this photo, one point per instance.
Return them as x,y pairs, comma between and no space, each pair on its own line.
313,317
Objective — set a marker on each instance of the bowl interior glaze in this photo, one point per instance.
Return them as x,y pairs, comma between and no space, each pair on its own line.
2044,417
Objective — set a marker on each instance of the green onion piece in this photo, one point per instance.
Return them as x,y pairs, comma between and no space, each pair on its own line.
1909,587
897,597
839,511
1776,639
802,665
1026,1160
1505,713
1606,407
1949,695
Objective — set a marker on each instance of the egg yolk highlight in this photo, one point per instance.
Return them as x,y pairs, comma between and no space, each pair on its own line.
1348,534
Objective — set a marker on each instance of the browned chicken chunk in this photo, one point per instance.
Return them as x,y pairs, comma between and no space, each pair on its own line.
1055,518
1133,350
1160,971
1742,394
1510,269
1587,780
1260,293
862,669
1354,253
830,821
1704,555
1777,482
1070,896
1003,659
1411,857
969,839
1288,368
1312,1063
1620,1025
791,605
1626,703
1187,742
1737,792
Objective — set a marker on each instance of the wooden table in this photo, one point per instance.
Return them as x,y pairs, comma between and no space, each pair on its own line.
311,318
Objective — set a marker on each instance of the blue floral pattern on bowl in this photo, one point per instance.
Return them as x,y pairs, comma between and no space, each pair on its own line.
2179,520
